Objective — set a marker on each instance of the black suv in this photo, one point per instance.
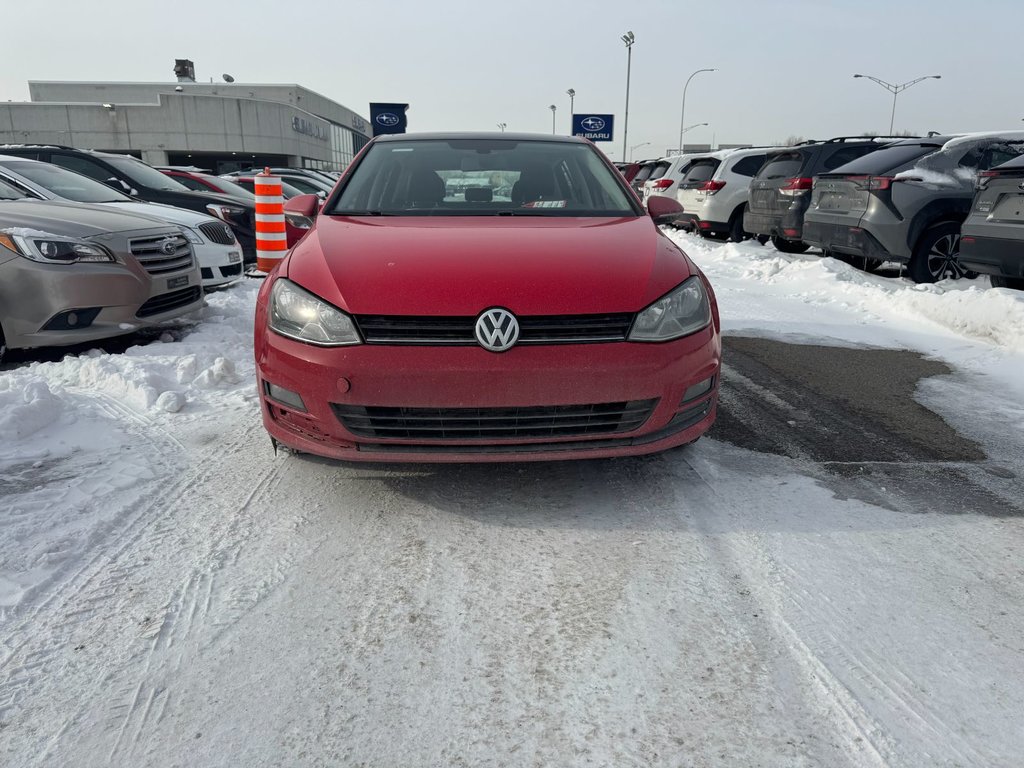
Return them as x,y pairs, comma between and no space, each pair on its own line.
133,177
781,191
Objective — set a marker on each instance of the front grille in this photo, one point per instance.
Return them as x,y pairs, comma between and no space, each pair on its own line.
534,329
493,423
217,232
150,253
168,301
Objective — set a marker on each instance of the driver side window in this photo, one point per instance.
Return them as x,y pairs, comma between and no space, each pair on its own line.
85,167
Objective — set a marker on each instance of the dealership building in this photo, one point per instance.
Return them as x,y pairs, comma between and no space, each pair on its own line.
218,126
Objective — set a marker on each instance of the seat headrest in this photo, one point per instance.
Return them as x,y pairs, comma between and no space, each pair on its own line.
479,195
426,188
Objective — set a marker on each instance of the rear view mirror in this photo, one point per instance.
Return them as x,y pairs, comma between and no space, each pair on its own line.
663,210
304,205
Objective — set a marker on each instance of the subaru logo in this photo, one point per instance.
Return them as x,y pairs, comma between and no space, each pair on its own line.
593,124
168,247
388,119
497,330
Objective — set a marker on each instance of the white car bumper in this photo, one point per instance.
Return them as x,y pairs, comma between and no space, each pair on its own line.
219,265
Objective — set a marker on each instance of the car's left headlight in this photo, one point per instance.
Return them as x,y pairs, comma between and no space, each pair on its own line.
54,249
298,314
191,235
682,311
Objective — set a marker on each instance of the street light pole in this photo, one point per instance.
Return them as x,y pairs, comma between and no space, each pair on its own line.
553,108
572,107
635,147
682,115
896,89
629,38
502,126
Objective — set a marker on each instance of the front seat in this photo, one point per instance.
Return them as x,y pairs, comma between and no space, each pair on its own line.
534,184
426,188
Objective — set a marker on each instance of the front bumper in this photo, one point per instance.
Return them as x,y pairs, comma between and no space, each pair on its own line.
470,377
992,256
219,265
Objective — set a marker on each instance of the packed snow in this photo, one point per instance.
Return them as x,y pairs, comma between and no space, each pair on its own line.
172,593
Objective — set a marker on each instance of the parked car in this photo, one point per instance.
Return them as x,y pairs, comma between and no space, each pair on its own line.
133,177
248,183
213,243
665,177
394,280
715,189
907,202
306,182
781,191
200,181
72,273
643,172
628,170
993,235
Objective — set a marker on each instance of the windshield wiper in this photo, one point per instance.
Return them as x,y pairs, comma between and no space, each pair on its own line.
522,212
361,213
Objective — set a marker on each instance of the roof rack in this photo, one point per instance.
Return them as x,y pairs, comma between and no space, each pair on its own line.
864,138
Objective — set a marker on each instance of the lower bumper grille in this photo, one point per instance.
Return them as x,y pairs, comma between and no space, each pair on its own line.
494,423
232,270
168,301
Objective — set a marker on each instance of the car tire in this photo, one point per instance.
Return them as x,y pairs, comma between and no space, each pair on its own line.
789,246
1016,283
737,234
935,257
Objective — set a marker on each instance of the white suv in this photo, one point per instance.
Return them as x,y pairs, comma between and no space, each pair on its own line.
664,179
714,190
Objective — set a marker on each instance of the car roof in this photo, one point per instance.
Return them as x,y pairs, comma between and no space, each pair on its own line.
489,135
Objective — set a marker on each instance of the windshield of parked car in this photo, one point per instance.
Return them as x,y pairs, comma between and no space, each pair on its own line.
477,177
7,192
228,187
144,175
66,184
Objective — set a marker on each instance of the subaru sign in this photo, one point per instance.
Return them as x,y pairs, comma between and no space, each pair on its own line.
388,118
593,127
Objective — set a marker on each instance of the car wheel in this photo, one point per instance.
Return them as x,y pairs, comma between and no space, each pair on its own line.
1016,283
737,233
935,257
789,246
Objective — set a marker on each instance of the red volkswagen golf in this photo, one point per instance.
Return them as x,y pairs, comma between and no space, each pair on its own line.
485,297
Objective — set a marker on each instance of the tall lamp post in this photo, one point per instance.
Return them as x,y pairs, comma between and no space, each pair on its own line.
896,89
572,106
553,108
635,147
682,115
629,38
687,129
502,126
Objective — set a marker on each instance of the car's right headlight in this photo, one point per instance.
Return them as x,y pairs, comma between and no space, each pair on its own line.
232,214
54,249
680,312
298,314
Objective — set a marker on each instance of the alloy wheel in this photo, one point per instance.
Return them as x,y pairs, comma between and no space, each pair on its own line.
943,258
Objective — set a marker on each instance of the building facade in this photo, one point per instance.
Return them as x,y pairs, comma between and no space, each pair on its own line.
217,126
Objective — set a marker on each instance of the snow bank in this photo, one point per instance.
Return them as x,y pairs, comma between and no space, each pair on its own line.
26,407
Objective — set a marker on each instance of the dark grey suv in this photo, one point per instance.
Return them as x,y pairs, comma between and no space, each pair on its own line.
781,191
906,202
993,235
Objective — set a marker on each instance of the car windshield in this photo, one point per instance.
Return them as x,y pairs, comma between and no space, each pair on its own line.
479,177
144,175
229,187
66,184
7,192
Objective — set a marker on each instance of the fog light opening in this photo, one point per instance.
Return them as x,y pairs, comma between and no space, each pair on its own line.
284,396
698,390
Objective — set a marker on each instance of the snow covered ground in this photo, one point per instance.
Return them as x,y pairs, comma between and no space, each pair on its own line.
174,594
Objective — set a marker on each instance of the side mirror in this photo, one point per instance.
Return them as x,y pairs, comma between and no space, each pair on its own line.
303,205
663,209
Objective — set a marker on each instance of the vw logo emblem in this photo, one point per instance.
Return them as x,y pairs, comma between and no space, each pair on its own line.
388,119
168,247
593,123
497,330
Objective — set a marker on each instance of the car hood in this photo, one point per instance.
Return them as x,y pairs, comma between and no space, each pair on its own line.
163,213
463,265
73,219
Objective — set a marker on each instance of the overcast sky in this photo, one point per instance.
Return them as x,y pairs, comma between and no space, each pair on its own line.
786,66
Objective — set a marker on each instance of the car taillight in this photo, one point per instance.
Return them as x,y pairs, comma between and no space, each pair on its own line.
880,183
967,241
661,184
984,177
797,186
712,186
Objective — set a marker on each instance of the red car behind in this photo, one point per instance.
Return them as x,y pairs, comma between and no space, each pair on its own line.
427,318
